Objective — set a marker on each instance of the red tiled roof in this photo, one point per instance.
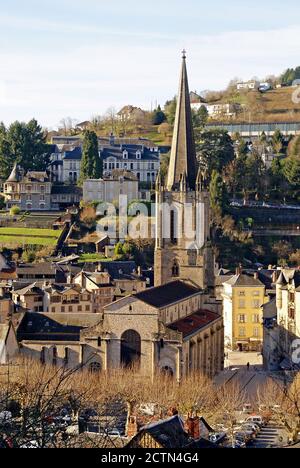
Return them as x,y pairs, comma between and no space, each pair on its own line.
192,323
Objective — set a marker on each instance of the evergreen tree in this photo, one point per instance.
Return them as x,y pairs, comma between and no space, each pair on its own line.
278,142
215,150
218,196
25,144
91,164
158,116
200,117
170,110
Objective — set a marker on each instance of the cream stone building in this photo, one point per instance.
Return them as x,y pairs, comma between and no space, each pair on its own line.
243,299
60,299
110,189
288,320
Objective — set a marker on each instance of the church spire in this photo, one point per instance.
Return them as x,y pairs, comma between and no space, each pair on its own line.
183,153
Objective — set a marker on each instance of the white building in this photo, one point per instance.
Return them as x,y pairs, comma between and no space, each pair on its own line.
109,189
143,162
65,164
215,110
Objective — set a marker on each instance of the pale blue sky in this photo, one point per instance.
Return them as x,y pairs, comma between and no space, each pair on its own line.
76,58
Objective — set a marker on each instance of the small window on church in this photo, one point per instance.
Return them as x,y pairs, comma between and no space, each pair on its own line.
175,270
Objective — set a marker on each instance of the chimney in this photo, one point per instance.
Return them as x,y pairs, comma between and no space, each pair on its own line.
238,270
112,139
192,426
256,275
275,276
172,411
131,426
139,271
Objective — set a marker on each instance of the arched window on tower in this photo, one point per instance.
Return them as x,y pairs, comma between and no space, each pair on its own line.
175,270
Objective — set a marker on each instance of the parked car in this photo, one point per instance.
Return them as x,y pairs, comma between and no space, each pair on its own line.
33,444
5,417
251,426
247,408
256,419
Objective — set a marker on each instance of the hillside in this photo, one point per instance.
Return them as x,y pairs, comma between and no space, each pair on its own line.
273,106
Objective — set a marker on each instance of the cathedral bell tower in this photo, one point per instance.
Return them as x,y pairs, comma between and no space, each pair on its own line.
183,248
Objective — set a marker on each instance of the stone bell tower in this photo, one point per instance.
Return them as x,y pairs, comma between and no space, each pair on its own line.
183,248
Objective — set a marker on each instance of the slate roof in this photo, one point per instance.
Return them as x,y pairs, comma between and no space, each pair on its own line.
75,154
193,323
169,433
120,270
36,176
43,268
117,152
244,280
58,327
15,174
169,293
32,289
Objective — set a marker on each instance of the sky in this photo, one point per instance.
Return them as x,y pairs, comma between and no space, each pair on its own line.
78,58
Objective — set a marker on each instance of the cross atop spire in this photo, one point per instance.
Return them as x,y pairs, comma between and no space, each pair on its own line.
183,154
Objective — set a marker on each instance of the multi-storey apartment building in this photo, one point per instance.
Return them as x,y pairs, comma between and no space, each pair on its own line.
243,298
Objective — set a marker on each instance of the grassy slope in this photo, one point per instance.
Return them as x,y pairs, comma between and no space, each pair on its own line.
27,232
274,106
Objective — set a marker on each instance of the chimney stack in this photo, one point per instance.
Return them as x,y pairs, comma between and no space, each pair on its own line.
192,426
131,427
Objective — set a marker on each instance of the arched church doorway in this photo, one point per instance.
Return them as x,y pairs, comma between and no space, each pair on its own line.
130,349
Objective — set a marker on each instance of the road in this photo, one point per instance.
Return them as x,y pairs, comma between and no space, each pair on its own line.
236,372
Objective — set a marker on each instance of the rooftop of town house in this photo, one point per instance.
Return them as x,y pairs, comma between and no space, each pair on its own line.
244,280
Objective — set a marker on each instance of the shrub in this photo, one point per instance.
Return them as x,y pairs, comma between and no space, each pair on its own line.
15,210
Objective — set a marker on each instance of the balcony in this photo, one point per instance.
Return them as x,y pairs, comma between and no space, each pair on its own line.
70,301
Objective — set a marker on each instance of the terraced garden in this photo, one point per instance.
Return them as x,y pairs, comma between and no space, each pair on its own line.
27,236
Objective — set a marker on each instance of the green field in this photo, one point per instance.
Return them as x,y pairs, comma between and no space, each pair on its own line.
93,258
30,232
27,236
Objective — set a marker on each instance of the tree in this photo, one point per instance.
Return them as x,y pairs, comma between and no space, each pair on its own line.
291,170
111,119
25,144
277,141
218,196
215,150
67,126
170,110
158,116
200,117
91,164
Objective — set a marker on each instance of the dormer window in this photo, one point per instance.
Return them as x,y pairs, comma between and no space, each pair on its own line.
125,154
138,155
